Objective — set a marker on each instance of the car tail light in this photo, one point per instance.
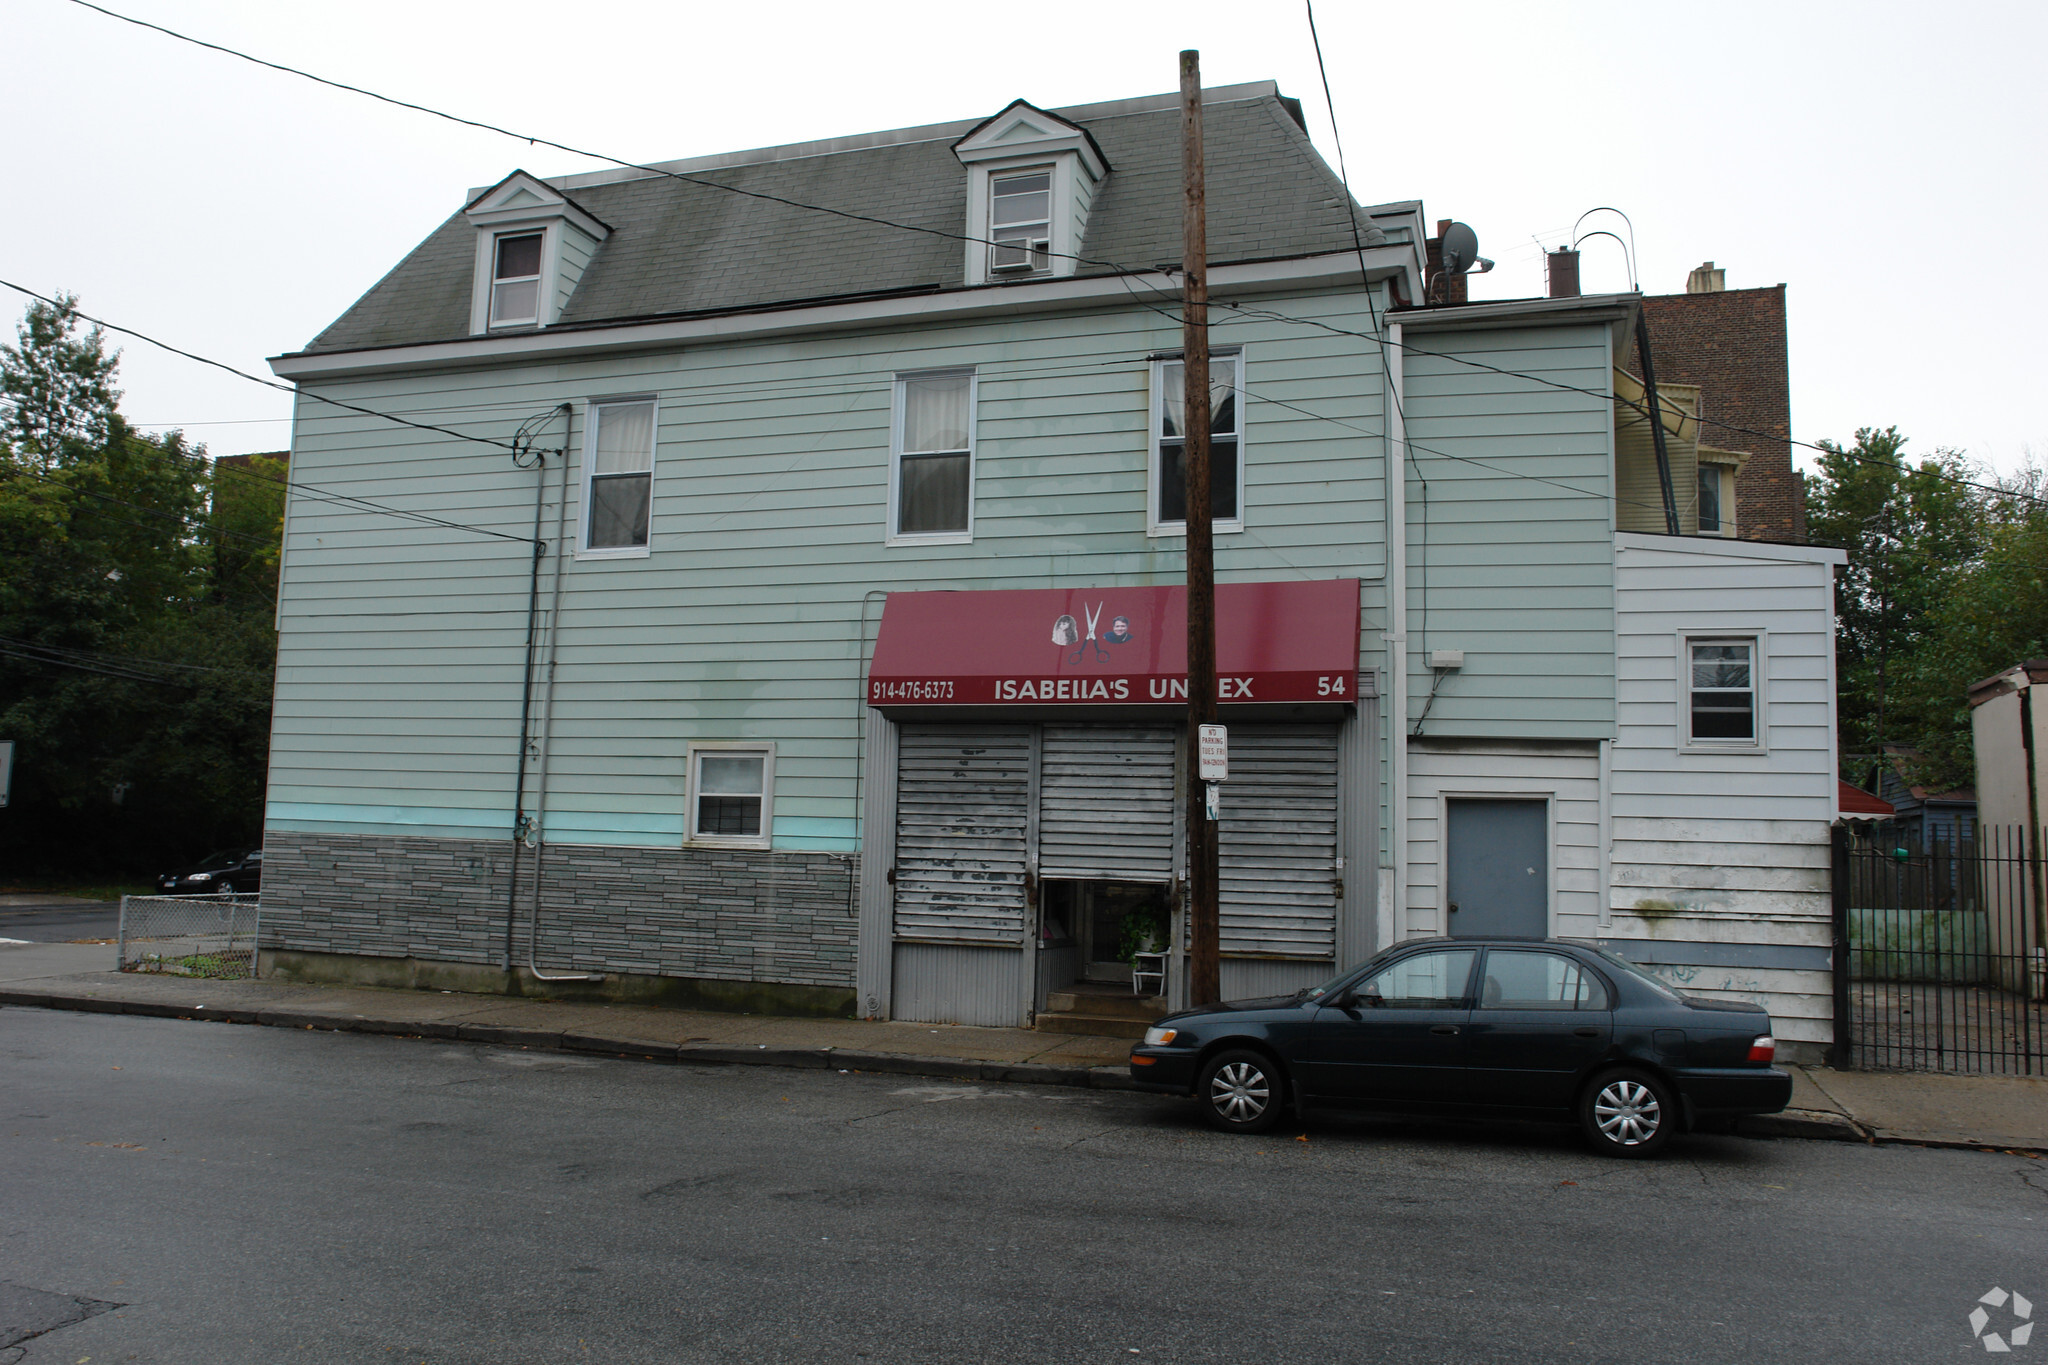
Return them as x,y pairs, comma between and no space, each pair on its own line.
1763,1049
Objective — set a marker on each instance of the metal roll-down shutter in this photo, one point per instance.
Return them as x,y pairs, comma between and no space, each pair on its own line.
963,805
1279,842
1106,802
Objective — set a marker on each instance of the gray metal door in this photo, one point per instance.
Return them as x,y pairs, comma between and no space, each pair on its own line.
1497,866
963,807
1279,842
1106,802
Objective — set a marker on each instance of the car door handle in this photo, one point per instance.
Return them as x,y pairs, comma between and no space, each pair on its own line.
1443,1028
1585,1033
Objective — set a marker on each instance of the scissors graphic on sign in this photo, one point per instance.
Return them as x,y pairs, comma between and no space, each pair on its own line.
1101,655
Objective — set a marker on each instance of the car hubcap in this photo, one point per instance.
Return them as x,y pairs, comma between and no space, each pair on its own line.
1239,1092
1628,1113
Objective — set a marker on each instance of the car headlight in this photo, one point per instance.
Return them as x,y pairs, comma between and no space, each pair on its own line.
200,877
1160,1037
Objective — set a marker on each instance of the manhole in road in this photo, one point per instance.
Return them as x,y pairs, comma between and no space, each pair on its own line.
26,1313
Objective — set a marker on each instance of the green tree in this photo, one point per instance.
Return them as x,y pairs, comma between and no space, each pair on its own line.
1995,616
59,385
1913,531
135,620
1947,583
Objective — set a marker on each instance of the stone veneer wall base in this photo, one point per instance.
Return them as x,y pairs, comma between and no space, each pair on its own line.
723,924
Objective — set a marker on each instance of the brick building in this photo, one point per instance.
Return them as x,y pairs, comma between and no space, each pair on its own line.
1731,344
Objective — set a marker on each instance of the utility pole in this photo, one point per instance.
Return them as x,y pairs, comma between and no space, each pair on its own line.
1204,983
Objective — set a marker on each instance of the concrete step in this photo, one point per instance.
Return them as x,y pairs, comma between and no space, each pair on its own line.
1144,1008
1101,1025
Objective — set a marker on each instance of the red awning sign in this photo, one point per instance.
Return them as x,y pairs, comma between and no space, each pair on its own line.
1275,642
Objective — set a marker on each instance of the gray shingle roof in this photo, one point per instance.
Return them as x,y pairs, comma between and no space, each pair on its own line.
679,248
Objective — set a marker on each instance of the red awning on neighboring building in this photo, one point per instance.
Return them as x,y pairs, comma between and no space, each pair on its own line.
1275,642
1855,802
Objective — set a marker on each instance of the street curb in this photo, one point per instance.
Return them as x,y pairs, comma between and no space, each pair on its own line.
1804,1123
1793,1123
638,1049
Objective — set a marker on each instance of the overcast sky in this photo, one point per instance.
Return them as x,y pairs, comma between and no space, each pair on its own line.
1877,158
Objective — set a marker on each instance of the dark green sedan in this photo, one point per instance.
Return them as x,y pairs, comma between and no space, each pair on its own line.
1520,1028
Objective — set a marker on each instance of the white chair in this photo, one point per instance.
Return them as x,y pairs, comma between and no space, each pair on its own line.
1148,967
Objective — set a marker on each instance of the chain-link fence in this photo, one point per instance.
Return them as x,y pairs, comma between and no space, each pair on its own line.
210,936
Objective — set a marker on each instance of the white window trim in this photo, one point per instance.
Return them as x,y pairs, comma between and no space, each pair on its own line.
583,479
1759,674
1445,795
1054,183
766,838
891,535
486,268
1154,409
539,278
1064,166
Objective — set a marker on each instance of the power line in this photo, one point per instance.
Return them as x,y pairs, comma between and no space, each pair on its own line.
1120,267
252,378
1386,369
318,494
101,656
536,140
193,522
1637,406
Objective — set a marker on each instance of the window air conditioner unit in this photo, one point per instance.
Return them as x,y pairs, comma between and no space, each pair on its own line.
1011,257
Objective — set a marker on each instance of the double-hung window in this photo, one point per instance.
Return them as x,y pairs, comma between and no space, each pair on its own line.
1721,692
1020,221
1717,499
931,491
1710,500
1169,502
515,279
618,483
732,793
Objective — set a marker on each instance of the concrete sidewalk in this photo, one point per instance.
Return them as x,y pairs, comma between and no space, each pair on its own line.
1962,1111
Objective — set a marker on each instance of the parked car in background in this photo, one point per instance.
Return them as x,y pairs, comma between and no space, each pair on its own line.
1527,1028
230,870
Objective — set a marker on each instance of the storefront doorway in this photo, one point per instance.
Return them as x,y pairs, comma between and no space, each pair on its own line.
1088,928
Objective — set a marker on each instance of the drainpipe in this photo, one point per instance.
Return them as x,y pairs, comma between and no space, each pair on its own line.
547,714
1395,921
519,822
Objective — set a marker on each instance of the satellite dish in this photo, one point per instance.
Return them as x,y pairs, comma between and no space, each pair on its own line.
1460,248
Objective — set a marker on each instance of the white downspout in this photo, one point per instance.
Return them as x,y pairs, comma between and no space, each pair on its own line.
1394,905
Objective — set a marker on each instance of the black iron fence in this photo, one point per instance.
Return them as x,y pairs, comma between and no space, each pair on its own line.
1941,950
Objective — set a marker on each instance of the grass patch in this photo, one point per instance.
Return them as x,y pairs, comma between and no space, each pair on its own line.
211,966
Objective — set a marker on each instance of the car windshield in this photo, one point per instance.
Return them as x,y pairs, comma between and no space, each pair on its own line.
214,862
1622,964
1337,982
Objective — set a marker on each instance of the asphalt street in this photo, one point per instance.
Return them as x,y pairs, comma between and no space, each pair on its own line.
60,923
207,1193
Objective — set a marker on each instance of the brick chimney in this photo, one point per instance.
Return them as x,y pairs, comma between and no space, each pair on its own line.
1562,268
1706,280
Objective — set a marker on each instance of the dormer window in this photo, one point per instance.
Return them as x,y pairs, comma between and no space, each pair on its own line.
532,244
515,280
1020,221
1031,179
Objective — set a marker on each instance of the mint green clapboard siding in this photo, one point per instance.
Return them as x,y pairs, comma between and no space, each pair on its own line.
1510,547
402,645
574,251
